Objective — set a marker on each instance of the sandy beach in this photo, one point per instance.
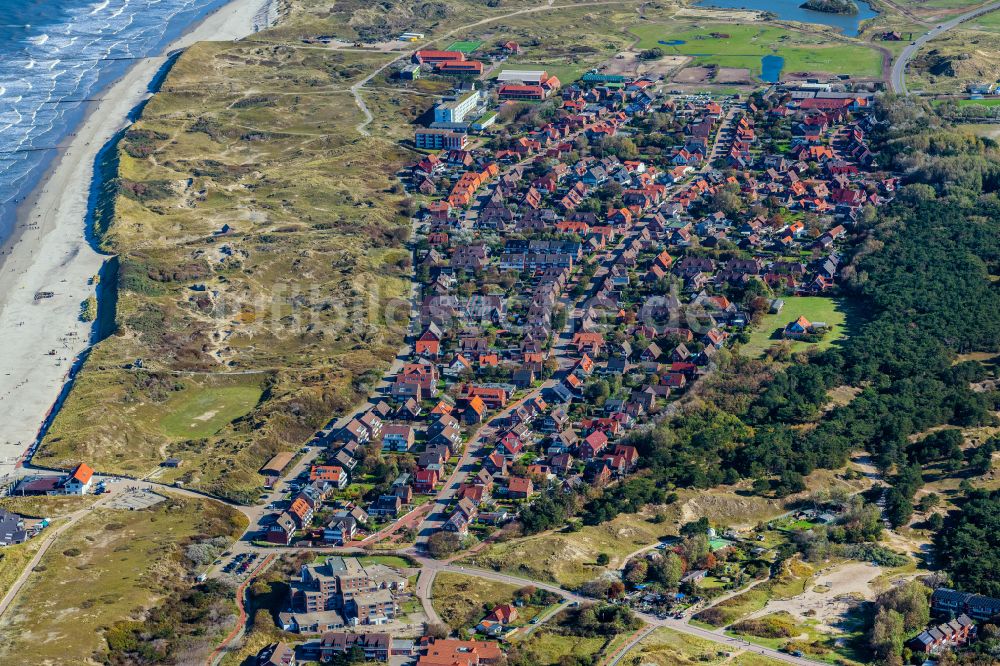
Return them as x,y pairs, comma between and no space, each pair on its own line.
49,251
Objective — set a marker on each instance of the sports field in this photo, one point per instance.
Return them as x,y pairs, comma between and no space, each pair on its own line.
464,47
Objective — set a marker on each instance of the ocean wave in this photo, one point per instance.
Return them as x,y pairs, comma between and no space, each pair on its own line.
69,58
118,12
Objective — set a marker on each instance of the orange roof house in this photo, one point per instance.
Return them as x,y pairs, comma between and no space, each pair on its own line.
447,652
301,510
489,360
475,411
83,473
504,613
592,342
798,328
431,56
442,408
325,473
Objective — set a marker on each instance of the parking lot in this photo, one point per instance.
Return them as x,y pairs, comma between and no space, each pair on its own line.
135,500
241,564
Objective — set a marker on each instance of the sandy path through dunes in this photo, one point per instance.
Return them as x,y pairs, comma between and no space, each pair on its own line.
50,252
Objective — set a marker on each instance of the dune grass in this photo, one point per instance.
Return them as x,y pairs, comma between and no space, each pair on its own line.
109,566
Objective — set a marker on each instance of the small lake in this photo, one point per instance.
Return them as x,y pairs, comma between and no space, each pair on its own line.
770,68
789,10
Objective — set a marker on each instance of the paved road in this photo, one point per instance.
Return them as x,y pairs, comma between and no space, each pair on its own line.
898,78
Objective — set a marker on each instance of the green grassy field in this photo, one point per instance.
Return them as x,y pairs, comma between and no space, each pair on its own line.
202,413
464,46
979,102
838,315
744,45
394,561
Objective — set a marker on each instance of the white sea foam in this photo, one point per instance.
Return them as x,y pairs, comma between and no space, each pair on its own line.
68,60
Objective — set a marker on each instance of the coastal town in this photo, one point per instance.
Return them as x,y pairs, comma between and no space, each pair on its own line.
644,407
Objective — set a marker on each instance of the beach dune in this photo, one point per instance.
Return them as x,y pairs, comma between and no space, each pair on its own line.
48,267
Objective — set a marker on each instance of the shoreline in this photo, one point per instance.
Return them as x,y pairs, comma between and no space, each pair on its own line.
50,248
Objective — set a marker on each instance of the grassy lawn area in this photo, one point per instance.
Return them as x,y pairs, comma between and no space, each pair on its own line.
744,45
838,314
394,561
979,102
205,411
108,567
460,600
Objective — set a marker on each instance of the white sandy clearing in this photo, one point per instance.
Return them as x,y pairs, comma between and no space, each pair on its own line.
845,585
53,255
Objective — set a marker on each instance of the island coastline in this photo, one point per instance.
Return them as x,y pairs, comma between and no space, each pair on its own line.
49,263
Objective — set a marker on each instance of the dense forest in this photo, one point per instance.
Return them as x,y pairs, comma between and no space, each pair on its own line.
969,543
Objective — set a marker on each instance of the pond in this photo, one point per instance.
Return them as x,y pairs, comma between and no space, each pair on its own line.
770,68
789,10
672,42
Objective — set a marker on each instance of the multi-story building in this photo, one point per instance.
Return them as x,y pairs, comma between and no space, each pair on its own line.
397,438
378,607
440,139
455,109
364,594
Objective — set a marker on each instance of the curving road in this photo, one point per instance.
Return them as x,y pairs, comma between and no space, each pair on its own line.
432,567
898,78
